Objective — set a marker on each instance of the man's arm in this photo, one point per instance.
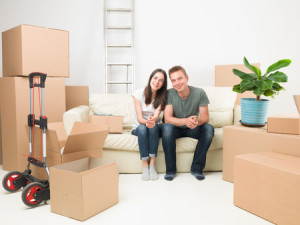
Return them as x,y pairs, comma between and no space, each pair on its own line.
204,115
169,118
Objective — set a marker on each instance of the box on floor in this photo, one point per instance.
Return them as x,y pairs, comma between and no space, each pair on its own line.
267,184
115,123
83,188
15,107
27,49
238,139
84,140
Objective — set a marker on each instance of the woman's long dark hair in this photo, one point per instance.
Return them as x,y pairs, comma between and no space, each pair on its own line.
161,94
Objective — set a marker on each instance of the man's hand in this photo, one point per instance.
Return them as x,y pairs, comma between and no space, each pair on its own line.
192,122
150,122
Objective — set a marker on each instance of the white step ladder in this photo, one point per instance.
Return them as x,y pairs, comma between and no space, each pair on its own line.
119,46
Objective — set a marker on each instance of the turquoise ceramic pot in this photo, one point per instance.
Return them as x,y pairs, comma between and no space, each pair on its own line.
254,112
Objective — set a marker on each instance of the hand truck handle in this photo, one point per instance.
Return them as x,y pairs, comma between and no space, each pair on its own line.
42,79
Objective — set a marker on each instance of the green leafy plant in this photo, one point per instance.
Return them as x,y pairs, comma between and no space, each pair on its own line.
267,84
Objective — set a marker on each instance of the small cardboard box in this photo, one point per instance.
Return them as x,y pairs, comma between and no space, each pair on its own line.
85,140
84,188
76,96
224,77
238,139
267,184
27,49
284,124
115,123
15,107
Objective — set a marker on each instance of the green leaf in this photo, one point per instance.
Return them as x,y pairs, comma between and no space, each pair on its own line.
258,91
277,87
247,85
280,64
278,77
263,84
247,64
237,88
244,76
257,71
269,93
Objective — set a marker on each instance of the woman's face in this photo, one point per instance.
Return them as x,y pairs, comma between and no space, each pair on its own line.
157,81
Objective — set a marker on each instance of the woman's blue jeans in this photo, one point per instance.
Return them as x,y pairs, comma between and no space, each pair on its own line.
204,134
148,140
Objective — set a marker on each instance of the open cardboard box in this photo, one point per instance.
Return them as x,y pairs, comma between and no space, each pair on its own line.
83,188
286,123
85,140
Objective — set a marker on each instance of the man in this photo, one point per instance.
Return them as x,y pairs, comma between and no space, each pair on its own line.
186,115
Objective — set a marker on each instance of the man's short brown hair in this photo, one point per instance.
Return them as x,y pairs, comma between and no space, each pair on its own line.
177,68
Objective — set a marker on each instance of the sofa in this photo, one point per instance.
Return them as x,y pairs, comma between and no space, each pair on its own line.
124,147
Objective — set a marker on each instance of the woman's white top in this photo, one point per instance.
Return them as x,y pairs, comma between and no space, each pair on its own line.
147,110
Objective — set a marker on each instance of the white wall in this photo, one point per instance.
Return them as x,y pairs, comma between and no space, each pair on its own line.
196,34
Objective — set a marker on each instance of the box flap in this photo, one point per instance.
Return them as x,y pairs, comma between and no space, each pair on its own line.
84,137
60,130
297,101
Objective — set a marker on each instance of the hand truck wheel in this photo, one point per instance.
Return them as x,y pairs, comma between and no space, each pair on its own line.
8,181
28,194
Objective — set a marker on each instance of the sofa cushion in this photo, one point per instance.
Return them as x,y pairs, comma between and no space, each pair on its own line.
128,142
115,104
221,105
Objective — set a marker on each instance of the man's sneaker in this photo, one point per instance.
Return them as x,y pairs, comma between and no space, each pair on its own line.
170,176
199,176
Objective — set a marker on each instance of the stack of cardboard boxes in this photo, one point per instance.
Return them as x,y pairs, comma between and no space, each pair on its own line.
77,170
267,178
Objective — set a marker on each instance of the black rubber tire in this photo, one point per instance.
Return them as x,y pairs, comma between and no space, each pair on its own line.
27,194
7,181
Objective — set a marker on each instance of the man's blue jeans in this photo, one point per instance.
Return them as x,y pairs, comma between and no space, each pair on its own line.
204,134
148,140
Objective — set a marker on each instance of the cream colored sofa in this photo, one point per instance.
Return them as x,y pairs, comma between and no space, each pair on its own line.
124,147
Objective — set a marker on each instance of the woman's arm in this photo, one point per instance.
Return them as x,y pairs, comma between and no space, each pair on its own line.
138,110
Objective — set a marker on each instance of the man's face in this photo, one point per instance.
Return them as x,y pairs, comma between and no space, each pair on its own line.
179,81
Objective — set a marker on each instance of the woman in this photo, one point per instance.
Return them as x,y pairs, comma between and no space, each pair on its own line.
148,104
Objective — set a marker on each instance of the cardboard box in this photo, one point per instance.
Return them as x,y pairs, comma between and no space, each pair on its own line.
115,123
238,139
85,140
284,124
15,107
297,102
27,49
84,188
224,77
267,184
76,96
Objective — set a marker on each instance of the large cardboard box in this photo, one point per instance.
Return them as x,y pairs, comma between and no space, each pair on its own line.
15,107
284,124
115,123
76,96
84,188
27,49
238,139
267,184
224,77
85,140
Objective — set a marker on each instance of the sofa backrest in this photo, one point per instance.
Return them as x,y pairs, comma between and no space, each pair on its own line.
220,108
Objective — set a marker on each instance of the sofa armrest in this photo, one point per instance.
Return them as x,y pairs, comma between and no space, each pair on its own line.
237,114
80,114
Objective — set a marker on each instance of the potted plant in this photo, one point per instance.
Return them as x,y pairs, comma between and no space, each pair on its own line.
254,110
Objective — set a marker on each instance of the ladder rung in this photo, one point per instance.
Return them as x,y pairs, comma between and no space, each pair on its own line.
119,46
119,82
119,27
119,10
119,64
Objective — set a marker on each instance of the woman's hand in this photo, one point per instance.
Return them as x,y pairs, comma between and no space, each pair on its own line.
150,122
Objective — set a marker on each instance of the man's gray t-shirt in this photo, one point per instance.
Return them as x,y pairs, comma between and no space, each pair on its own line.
189,106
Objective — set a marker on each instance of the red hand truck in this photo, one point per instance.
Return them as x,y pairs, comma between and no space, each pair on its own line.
35,190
